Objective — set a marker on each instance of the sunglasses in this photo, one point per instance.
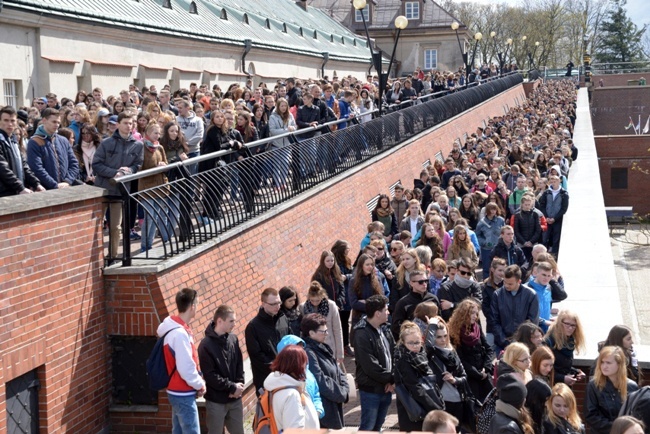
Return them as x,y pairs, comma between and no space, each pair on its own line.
421,282
464,273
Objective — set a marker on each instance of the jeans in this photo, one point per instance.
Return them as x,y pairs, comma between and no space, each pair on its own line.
193,168
230,415
185,415
374,407
485,261
280,158
159,214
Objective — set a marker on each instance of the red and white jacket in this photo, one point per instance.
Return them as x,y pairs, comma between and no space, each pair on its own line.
180,352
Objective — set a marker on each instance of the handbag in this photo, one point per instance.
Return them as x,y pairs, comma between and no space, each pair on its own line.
413,408
471,408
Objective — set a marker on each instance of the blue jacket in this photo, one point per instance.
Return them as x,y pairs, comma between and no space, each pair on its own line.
488,231
508,312
344,108
544,297
310,383
113,153
50,169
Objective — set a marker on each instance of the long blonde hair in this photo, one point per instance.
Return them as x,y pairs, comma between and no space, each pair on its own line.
621,375
401,270
514,352
560,339
564,392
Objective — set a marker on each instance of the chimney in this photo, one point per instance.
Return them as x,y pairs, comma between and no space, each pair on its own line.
302,4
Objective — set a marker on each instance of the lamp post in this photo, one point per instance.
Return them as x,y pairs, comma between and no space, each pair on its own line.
501,55
524,39
477,37
531,57
401,22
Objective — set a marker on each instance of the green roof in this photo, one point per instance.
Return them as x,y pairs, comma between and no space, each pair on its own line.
272,24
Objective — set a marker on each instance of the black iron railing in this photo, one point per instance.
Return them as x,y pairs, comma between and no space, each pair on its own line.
192,209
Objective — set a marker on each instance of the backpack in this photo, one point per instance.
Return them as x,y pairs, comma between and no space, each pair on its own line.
264,419
157,367
486,413
637,404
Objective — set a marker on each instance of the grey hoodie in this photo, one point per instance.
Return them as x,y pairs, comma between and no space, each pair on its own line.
192,127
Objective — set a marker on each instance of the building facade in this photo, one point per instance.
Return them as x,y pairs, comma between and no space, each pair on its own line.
62,47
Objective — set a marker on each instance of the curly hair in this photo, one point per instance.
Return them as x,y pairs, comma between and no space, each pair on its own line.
461,319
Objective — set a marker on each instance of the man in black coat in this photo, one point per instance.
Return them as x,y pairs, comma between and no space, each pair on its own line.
554,203
406,305
454,291
223,370
263,334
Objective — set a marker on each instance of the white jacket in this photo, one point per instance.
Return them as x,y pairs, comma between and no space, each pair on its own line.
287,404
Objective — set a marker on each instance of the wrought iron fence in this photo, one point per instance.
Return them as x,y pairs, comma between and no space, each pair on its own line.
191,209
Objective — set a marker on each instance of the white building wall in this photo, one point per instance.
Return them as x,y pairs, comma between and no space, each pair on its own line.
18,48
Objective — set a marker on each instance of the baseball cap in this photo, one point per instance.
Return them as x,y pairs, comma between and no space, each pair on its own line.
112,119
103,112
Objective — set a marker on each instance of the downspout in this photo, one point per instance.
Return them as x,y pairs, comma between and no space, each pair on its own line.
326,58
248,44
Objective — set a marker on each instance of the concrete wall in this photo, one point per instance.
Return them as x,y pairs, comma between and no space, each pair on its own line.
282,250
631,153
612,107
52,306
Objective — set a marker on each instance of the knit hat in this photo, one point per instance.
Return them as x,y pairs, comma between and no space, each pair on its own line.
511,390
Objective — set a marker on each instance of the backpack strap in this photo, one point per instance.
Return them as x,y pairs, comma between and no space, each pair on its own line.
39,140
163,339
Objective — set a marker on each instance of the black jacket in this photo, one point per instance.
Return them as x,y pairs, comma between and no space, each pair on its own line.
450,291
476,358
307,115
538,393
406,307
222,365
487,291
602,406
562,428
563,364
513,255
509,312
332,382
527,227
372,372
216,140
262,336
9,182
504,424
548,195
335,289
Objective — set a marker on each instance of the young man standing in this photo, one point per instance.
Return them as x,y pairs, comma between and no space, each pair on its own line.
406,305
461,287
374,346
223,369
540,283
181,357
507,249
263,334
554,203
399,203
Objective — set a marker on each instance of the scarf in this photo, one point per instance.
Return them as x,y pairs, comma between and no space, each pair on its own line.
462,282
151,146
292,315
507,409
418,360
88,150
384,212
448,357
40,132
323,307
471,337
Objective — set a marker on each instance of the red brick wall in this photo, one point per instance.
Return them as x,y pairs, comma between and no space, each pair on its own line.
52,315
280,251
612,107
626,152
617,79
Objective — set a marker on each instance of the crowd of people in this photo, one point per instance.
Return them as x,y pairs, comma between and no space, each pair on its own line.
407,307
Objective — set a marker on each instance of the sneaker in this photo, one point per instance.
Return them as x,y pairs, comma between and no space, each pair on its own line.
349,351
134,235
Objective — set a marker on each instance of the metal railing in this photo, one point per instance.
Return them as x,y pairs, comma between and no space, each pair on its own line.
192,209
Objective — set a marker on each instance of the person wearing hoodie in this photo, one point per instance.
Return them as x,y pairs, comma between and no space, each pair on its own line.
454,291
511,417
514,200
374,347
119,155
222,365
263,334
311,385
291,407
488,231
331,379
182,360
540,283
507,249
554,203
192,127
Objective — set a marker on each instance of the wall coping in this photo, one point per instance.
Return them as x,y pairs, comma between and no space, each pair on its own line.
139,268
30,202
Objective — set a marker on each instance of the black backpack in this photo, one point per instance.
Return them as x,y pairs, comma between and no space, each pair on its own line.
157,367
637,404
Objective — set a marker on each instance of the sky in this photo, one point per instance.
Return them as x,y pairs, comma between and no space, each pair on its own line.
637,10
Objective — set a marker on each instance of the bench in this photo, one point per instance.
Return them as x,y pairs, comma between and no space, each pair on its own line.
618,217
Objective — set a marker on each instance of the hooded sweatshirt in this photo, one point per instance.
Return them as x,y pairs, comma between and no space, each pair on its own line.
290,407
192,127
179,351
310,383
544,297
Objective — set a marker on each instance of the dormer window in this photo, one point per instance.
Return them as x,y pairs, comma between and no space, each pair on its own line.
358,18
412,10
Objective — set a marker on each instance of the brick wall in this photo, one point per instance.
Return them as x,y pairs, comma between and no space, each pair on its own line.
280,251
626,152
52,312
617,79
612,107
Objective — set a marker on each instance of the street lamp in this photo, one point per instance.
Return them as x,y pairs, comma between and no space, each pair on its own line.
454,26
401,22
477,37
532,56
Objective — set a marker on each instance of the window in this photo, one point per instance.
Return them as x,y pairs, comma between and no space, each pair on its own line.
11,96
619,178
357,14
430,59
412,10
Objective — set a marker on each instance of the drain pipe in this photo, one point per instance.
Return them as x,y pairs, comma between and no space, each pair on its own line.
326,58
248,44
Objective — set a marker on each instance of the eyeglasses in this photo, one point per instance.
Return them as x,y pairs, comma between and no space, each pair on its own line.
524,360
273,304
568,324
421,282
413,343
464,273
380,248
325,332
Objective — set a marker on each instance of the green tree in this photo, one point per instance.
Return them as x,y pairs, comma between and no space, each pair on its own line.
620,38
